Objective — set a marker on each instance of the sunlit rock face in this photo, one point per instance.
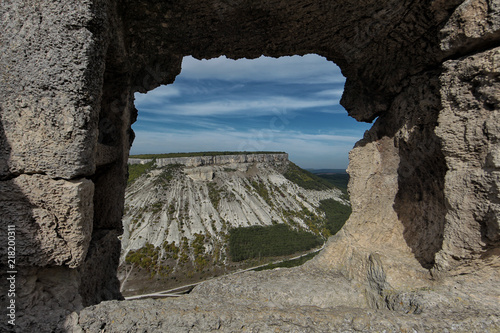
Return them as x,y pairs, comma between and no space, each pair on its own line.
425,178
196,161
177,205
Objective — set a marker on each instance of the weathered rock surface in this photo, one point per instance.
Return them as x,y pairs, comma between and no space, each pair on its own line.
294,300
61,152
473,25
426,200
212,199
214,160
176,204
469,128
51,76
59,219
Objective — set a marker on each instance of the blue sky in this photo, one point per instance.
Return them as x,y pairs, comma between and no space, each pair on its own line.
287,104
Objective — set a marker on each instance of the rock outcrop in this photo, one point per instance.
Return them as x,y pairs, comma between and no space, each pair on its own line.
186,206
425,178
195,161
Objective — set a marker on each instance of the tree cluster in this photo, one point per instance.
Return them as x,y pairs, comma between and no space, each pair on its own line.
269,241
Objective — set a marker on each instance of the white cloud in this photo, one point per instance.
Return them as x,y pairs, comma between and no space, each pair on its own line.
265,106
333,93
310,68
160,122
325,137
159,95
307,150
250,89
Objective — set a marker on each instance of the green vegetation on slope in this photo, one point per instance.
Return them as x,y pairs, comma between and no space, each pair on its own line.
169,172
205,153
339,180
262,191
269,241
214,194
152,260
190,257
288,263
147,257
137,170
336,214
306,179
201,259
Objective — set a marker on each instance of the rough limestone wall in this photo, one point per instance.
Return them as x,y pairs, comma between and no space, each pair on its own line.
469,129
398,83
58,148
425,179
397,193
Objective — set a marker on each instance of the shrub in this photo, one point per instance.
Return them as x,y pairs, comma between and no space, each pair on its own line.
336,214
214,194
288,263
262,192
145,257
265,241
339,180
137,170
305,179
168,173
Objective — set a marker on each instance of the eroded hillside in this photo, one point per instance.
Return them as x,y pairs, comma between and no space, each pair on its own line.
179,213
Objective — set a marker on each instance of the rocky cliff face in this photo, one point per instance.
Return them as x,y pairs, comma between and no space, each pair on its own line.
424,184
194,161
172,204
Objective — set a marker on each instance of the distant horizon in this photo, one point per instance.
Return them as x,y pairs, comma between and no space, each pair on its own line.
266,104
219,153
225,152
